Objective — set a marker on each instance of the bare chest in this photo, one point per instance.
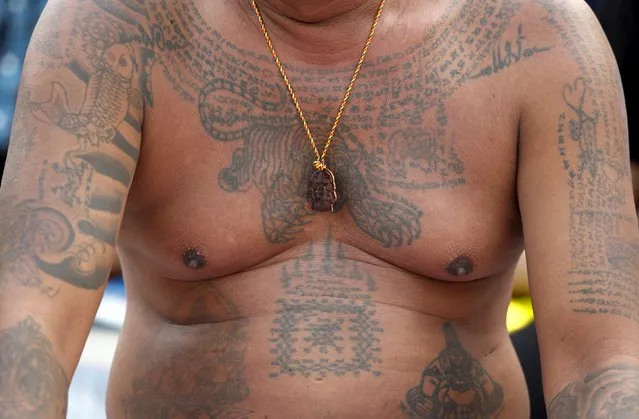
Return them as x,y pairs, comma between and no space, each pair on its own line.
424,158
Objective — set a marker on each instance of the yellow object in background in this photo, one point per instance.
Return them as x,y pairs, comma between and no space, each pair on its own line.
520,314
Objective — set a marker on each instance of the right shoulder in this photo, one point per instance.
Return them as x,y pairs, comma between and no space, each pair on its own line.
81,35
105,18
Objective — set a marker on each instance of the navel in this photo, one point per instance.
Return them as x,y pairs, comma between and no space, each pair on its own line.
194,258
460,266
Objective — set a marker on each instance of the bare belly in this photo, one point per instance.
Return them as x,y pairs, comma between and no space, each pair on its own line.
319,335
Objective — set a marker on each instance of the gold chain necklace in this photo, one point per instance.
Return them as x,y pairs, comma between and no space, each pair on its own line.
322,189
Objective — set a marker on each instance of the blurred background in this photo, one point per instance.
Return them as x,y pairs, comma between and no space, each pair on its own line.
619,19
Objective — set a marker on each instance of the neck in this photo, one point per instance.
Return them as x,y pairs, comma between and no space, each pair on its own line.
319,11
320,32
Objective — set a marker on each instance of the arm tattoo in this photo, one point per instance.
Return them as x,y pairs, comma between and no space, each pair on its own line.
33,385
109,97
607,393
100,136
454,385
606,283
592,143
38,240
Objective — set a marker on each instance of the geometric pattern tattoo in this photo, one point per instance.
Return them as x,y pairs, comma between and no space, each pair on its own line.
326,324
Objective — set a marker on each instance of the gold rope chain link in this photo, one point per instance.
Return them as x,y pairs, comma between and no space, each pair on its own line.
319,164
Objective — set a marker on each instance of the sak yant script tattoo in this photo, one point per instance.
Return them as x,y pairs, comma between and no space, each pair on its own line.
33,384
397,106
508,53
454,385
592,140
326,324
604,258
607,267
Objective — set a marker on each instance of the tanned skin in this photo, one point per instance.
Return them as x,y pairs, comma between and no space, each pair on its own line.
162,128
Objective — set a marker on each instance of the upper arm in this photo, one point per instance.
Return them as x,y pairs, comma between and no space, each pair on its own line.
575,195
72,155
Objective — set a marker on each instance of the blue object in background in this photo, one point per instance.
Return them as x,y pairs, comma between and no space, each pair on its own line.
17,20
87,395
595,4
113,307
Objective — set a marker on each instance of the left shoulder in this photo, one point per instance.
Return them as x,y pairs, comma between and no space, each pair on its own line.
547,37
570,26
575,50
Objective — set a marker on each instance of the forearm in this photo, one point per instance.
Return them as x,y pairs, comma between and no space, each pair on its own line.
607,392
33,383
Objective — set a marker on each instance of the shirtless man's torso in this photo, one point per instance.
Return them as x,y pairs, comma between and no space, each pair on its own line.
166,124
